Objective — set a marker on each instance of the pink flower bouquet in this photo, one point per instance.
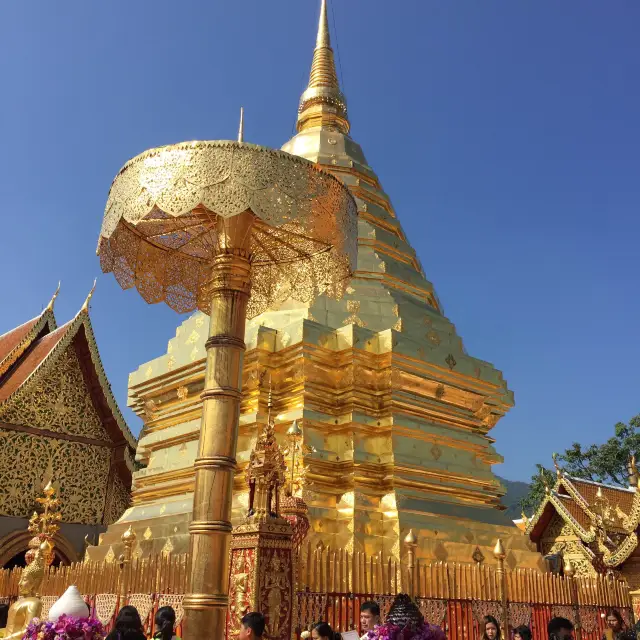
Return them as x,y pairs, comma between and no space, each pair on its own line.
409,632
66,628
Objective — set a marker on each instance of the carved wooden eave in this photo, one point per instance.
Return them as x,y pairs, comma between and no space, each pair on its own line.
572,499
45,344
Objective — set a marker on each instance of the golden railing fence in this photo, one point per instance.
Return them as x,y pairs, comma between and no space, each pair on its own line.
333,584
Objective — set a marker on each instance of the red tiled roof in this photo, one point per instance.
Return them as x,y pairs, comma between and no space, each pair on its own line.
614,495
10,340
41,349
575,510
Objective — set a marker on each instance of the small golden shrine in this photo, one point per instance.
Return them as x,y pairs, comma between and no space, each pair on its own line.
58,421
262,576
593,525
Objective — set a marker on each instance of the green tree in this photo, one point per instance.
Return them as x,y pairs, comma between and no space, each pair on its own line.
537,489
605,462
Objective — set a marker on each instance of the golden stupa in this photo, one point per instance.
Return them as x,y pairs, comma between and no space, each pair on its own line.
395,414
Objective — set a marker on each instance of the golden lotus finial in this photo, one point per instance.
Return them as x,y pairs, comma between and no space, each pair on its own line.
294,430
241,127
498,551
53,298
85,306
599,493
411,539
554,456
46,547
129,536
569,569
632,469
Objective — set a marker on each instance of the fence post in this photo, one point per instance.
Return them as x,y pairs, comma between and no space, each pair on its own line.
128,539
570,572
411,541
499,554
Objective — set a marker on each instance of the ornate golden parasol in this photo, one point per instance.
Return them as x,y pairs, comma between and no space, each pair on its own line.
231,229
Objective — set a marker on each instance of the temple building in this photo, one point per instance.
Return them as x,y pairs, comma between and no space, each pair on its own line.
593,525
395,413
59,422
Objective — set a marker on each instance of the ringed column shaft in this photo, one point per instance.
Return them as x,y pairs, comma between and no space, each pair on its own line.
206,604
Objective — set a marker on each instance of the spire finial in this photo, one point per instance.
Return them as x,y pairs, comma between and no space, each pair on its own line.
323,39
53,298
85,306
269,403
241,127
323,104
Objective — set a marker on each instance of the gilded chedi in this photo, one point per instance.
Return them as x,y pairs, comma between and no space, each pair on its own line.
58,421
395,414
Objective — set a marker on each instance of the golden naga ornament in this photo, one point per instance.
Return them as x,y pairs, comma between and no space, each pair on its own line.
232,229
44,526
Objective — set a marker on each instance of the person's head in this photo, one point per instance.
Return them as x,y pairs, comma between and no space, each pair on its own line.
251,626
128,622
322,631
614,620
560,629
165,621
369,615
522,633
491,629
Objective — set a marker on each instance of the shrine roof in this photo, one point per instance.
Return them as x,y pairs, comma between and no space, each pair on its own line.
580,504
15,342
28,364
576,512
620,496
44,344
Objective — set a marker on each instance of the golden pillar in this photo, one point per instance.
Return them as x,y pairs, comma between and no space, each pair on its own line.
411,541
128,539
204,225
216,462
499,554
569,573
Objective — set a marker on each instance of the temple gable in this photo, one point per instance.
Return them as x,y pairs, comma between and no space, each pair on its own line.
59,421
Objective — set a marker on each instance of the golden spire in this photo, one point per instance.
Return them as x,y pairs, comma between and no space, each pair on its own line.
241,127
323,104
85,306
53,299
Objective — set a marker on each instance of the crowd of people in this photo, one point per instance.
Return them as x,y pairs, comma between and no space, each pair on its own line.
563,629
129,626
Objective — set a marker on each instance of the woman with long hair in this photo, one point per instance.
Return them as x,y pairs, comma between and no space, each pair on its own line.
165,622
616,628
491,629
128,625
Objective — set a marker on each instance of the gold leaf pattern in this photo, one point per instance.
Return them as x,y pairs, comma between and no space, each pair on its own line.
73,464
306,218
58,401
119,500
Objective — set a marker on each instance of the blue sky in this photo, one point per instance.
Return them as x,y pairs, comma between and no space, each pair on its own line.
506,134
